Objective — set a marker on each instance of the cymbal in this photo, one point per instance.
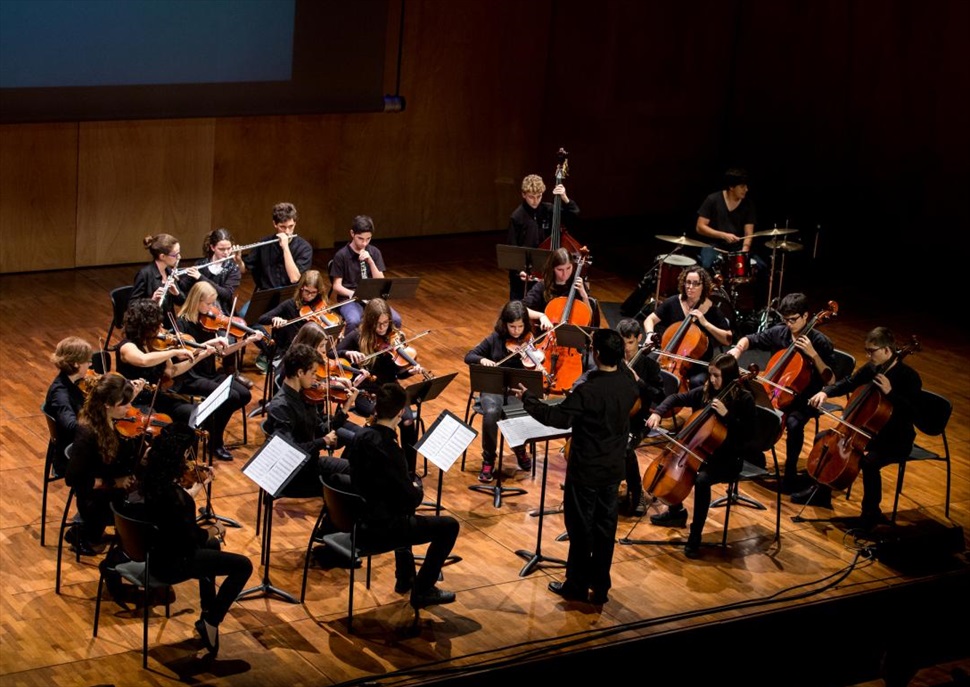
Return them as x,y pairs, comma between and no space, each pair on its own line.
774,232
787,246
682,241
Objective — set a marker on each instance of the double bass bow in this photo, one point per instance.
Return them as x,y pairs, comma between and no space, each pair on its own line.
836,453
788,372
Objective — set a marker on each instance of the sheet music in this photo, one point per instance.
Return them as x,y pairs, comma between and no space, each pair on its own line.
272,465
518,430
446,440
219,396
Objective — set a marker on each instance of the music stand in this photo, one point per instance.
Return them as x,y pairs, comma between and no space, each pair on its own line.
498,380
264,300
427,390
521,258
272,467
402,287
535,559
199,415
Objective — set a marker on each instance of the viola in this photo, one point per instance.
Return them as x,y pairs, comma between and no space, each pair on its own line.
218,322
789,372
165,341
137,423
836,453
671,475
686,341
564,365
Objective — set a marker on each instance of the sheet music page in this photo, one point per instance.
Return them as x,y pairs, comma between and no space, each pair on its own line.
518,430
274,463
215,399
446,440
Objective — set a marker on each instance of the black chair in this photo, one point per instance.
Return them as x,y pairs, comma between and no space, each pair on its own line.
671,385
343,509
119,304
932,417
842,367
61,532
49,475
768,431
134,538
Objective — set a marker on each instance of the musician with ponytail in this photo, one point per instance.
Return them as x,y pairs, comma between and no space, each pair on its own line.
156,279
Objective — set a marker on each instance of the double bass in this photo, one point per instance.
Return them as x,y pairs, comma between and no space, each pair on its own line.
788,372
671,476
564,365
836,453
558,237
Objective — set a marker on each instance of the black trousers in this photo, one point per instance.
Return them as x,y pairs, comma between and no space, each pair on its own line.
400,534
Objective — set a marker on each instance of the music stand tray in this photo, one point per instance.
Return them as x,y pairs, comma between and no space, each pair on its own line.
521,258
574,336
264,300
399,288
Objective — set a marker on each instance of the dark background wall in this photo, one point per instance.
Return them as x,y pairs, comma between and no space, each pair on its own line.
849,115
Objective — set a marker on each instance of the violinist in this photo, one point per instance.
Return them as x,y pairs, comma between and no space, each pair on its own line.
531,223
289,415
646,373
182,549
900,384
817,353
736,410
558,278
357,260
103,463
156,279
691,302
374,341
141,354
309,297
513,329
72,358
598,411
203,378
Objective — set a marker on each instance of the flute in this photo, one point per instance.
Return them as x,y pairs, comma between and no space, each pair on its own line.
237,249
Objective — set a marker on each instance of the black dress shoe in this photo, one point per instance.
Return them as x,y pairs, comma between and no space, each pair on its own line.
432,597
567,592
211,647
598,598
222,453
820,496
669,518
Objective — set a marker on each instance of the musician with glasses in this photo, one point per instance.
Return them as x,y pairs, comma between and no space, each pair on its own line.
901,386
357,260
819,353
692,300
309,294
157,280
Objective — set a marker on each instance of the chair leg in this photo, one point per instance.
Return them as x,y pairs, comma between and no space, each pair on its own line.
43,505
97,605
732,490
900,474
309,551
60,542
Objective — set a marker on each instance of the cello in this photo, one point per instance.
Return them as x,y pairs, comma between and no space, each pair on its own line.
670,477
836,453
679,346
564,365
788,372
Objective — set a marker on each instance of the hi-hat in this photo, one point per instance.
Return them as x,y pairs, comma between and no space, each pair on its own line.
774,232
787,246
683,241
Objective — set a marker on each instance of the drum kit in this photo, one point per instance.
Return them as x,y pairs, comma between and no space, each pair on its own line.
732,272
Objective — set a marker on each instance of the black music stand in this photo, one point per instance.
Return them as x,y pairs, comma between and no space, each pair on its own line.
498,380
427,390
272,467
264,300
535,559
521,258
402,287
580,338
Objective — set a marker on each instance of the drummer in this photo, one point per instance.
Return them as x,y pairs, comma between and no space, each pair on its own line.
693,300
726,218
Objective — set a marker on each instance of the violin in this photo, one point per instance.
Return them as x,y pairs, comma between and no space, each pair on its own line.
671,475
564,365
789,372
166,341
218,322
91,378
193,473
684,341
333,382
405,356
524,347
836,453
319,315
138,423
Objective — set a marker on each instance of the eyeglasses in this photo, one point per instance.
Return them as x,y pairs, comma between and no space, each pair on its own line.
174,255
383,323
690,284
870,351
792,319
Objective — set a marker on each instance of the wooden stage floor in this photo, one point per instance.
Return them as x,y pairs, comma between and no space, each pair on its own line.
760,599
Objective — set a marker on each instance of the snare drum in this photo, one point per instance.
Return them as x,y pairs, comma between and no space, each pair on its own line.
670,270
738,268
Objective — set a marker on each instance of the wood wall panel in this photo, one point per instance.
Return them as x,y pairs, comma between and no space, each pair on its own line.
142,178
38,196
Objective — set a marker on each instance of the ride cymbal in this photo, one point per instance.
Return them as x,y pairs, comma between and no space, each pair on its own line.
787,246
774,232
682,241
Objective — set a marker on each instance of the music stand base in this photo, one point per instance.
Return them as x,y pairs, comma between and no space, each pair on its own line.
535,560
209,514
626,541
548,511
497,491
738,500
269,590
